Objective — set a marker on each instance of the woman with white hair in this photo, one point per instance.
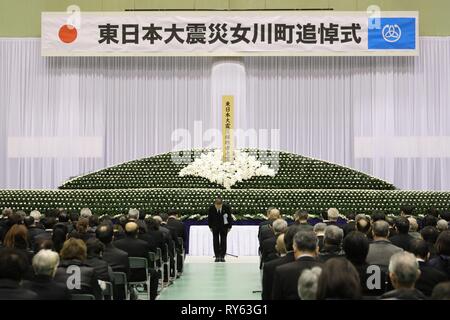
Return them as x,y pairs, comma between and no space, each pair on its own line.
45,264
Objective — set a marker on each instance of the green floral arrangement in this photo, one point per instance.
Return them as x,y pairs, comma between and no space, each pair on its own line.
154,185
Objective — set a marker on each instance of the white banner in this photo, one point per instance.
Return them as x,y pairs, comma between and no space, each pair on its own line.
229,33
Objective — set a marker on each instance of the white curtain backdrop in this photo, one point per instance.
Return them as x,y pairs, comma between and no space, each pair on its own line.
62,117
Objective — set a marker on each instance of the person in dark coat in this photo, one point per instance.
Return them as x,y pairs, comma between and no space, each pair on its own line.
138,248
332,243
95,249
403,238
45,264
220,222
73,255
269,267
286,276
13,267
442,260
429,276
116,258
268,250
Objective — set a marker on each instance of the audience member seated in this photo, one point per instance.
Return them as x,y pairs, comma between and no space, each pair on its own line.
356,247
350,225
378,215
117,259
85,213
402,239
12,219
429,277
332,215
441,291
430,235
33,230
442,259
406,211
429,220
269,267
82,230
332,243
48,223
286,276
36,215
138,248
308,283
268,251
319,230
338,280
363,225
174,223
442,225
381,249
13,267
403,272
413,228
301,219
265,231
154,232
59,236
73,262
45,264
95,249
446,216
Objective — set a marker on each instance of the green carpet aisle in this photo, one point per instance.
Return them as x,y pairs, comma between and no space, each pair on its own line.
205,280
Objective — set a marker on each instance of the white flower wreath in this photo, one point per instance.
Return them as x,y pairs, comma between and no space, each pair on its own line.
210,166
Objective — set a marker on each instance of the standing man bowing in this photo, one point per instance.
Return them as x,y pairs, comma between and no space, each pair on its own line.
219,222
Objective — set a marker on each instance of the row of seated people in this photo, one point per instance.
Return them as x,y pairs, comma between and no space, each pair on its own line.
367,242
98,247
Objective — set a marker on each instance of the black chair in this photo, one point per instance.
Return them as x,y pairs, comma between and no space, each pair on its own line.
108,291
120,281
138,263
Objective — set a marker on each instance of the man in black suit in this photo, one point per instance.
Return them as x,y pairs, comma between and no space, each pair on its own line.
269,267
402,239
429,276
219,222
268,250
174,223
138,248
13,267
116,258
286,276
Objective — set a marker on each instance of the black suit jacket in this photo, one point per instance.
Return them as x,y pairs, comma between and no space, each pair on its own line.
101,267
215,221
178,226
402,240
429,278
116,258
268,274
47,288
285,282
11,290
268,251
135,248
264,232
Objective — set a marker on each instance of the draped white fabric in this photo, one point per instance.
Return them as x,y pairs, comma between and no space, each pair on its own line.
241,241
62,117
